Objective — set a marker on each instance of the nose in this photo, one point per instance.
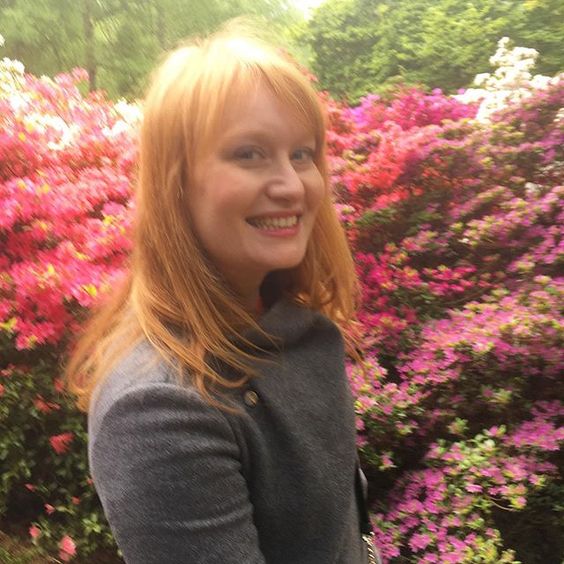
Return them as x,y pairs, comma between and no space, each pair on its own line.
285,182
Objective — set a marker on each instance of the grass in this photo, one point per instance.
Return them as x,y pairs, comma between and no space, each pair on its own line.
15,551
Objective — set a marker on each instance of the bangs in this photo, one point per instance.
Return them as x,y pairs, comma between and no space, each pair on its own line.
230,72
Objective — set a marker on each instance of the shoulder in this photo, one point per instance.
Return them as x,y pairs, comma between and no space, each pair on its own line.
167,468
294,325
141,382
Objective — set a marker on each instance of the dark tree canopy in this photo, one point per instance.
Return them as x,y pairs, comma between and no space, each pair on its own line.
117,41
362,46
353,46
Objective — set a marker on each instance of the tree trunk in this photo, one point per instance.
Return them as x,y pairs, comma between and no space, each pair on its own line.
160,27
89,43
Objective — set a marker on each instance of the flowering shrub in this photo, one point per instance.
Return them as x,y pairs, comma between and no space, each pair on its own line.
510,83
456,226
44,467
459,247
490,370
65,169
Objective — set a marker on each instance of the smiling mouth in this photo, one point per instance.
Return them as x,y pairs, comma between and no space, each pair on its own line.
273,223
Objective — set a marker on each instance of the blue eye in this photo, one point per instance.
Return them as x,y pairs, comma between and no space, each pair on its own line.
303,155
249,154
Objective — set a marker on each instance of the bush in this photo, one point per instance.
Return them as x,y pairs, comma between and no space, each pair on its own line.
458,242
65,168
456,227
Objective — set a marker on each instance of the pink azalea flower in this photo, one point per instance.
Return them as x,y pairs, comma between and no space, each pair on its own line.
473,488
59,385
67,548
34,532
45,406
419,542
60,443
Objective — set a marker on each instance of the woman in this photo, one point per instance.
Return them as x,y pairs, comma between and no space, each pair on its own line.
221,425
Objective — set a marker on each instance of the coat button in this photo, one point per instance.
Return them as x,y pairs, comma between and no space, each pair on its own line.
250,398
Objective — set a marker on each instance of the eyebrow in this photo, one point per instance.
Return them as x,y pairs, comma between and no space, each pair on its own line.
262,135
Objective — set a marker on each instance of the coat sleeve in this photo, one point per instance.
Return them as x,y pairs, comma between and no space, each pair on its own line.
166,467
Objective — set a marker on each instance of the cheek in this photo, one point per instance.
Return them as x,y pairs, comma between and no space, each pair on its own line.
213,198
224,187
318,190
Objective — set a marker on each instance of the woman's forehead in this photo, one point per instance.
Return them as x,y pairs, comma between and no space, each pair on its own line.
261,110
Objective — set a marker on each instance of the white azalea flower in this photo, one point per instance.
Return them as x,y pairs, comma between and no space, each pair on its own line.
511,82
130,113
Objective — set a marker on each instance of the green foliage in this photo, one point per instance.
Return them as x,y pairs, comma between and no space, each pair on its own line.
543,29
362,46
118,42
341,38
457,38
15,552
46,476
45,35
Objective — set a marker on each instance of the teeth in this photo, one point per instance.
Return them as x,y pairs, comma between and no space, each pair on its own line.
275,222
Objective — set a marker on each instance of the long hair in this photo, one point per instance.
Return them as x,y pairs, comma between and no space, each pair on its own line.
172,296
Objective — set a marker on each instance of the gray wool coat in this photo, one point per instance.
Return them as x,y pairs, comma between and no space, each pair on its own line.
183,482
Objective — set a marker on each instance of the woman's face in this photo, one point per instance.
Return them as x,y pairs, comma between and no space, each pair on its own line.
257,194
